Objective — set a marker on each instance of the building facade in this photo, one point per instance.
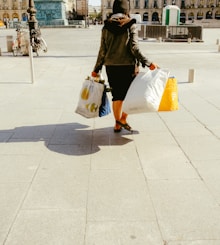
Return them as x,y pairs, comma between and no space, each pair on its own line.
151,10
13,10
16,10
82,7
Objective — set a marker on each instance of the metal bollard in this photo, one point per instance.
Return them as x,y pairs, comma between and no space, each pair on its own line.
144,32
191,75
160,39
218,48
189,40
9,43
31,64
217,41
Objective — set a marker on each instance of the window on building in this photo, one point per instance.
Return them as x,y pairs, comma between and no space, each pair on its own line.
183,6
209,15
5,16
24,4
183,18
199,16
191,16
137,4
155,4
217,15
15,17
24,17
109,4
155,17
145,4
145,16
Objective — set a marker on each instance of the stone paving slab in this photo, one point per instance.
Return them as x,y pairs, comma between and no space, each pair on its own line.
67,180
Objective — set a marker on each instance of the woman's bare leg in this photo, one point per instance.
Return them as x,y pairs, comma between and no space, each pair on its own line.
118,114
117,107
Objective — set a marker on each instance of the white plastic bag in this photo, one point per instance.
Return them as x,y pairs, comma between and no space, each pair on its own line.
145,92
90,98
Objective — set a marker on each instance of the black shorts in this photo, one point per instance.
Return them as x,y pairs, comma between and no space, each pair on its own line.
120,79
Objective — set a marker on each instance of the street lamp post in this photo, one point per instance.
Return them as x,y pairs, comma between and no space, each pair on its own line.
32,21
33,26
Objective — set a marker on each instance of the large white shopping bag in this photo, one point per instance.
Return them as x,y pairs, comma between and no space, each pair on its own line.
90,98
145,92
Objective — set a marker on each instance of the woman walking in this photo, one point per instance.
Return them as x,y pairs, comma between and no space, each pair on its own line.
119,52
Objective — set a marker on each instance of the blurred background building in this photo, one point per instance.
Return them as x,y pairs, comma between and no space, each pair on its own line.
62,12
151,10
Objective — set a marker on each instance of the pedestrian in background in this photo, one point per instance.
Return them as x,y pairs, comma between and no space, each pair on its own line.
119,52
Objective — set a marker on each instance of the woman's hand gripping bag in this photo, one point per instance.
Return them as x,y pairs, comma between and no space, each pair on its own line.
145,92
90,98
169,101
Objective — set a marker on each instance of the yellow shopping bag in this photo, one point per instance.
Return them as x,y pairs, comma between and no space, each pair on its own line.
169,101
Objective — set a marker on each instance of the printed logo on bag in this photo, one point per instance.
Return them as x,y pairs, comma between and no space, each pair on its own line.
85,94
92,107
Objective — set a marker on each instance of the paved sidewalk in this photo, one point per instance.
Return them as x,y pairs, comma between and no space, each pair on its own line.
67,180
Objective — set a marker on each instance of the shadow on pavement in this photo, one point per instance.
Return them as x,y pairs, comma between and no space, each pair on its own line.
68,139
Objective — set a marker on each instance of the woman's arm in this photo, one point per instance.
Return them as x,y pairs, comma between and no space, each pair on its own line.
101,54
